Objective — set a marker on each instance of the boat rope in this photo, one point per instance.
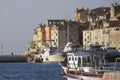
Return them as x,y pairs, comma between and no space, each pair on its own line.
74,64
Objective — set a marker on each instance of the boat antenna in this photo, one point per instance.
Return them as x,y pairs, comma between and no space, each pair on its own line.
68,37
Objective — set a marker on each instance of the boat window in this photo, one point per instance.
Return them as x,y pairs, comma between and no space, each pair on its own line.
86,61
75,58
69,58
79,61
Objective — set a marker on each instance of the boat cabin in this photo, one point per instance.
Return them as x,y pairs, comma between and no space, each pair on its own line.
78,59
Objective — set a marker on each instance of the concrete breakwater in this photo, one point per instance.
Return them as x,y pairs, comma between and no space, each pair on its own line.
12,58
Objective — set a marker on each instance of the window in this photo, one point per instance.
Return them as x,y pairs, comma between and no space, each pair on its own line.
56,34
117,29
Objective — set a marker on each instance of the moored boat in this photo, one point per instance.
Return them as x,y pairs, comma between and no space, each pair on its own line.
88,65
95,72
52,55
101,75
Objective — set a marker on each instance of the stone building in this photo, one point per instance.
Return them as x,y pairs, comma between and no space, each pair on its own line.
38,38
58,33
114,11
81,15
103,27
94,37
48,35
58,36
114,39
98,15
75,34
96,26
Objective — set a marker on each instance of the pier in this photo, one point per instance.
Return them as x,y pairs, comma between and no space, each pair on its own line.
12,58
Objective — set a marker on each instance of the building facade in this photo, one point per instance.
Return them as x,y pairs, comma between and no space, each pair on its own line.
48,35
58,36
81,15
114,37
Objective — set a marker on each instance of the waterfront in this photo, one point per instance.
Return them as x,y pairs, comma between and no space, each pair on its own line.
30,71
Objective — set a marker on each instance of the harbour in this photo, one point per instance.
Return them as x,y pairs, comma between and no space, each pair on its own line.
88,65
12,58
86,47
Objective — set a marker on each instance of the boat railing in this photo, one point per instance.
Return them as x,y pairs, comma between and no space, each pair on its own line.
115,65
91,74
110,68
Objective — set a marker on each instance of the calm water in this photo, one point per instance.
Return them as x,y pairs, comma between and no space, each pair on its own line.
30,71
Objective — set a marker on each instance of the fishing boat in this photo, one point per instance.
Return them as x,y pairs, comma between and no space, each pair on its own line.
84,59
105,74
83,65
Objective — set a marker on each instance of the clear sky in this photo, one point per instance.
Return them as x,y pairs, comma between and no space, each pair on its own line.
19,18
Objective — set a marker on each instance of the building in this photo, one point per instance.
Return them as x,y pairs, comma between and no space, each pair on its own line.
97,26
58,36
103,27
48,35
114,11
75,33
94,36
81,15
98,15
58,33
114,37
39,37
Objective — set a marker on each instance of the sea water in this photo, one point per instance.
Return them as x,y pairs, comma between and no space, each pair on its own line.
30,71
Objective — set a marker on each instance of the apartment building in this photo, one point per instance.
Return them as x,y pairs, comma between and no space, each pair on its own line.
48,35
103,27
114,37
58,36
39,37
58,33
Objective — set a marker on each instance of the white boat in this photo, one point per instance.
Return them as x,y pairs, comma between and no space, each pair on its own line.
84,65
51,56
83,59
109,74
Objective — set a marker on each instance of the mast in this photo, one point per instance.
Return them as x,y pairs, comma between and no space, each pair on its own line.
2,49
68,37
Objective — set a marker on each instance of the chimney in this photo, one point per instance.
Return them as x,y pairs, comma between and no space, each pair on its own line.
112,12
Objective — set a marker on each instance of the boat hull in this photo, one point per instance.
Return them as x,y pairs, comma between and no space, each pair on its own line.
116,76
53,58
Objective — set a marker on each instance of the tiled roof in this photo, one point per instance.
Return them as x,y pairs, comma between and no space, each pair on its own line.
81,10
100,11
117,9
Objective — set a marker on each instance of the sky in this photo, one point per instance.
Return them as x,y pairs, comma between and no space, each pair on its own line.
19,18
